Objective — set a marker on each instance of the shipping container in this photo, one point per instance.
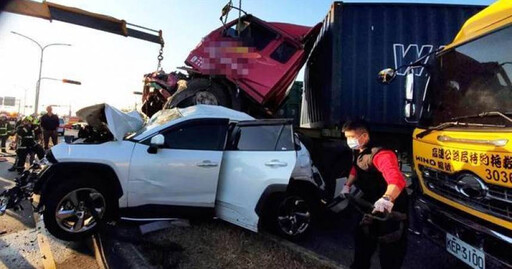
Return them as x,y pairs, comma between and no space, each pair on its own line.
357,41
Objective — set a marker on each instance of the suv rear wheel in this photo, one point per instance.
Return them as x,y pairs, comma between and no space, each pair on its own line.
76,209
290,216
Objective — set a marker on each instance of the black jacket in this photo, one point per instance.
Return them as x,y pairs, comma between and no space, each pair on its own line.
50,123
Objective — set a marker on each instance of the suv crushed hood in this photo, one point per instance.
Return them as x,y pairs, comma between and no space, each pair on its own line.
103,116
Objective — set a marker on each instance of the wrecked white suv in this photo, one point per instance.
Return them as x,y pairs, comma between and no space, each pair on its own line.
193,162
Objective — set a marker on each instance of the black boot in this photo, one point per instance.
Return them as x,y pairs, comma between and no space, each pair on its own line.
12,169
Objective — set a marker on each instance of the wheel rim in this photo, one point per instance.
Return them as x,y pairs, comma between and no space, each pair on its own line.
294,216
206,98
72,213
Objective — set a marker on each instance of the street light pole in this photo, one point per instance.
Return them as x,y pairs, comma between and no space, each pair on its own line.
42,48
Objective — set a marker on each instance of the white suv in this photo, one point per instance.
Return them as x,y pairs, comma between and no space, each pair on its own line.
192,162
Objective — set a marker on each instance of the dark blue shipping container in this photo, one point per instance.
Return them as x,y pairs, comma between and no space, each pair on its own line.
356,42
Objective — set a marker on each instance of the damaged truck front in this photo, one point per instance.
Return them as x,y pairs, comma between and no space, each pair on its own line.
248,64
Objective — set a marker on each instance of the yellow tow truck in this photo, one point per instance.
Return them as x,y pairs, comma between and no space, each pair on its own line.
462,146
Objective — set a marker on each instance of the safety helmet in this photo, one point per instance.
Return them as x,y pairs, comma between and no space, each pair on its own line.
28,118
3,116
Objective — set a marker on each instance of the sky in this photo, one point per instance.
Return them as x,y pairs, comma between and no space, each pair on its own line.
111,67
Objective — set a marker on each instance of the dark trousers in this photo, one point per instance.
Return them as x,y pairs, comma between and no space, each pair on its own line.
391,255
22,154
3,139
47,134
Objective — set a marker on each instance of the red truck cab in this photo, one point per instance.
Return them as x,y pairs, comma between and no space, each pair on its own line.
261,58
247,64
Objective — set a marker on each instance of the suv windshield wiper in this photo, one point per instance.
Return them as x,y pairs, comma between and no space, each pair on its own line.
448,124
485,114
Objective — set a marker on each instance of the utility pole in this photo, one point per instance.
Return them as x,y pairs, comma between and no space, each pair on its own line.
42,48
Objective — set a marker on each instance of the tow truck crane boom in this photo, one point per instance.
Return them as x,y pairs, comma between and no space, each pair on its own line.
51,11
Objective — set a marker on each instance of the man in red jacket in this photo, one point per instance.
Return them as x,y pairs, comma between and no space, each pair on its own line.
377,174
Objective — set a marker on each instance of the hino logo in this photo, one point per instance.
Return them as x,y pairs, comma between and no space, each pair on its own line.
471,187
407,54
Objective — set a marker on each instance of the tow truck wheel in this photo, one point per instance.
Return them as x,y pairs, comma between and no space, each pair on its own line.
290,216
76,209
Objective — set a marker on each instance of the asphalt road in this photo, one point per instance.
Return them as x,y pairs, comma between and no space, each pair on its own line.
24,243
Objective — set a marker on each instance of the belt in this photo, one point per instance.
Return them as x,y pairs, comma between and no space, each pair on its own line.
25,137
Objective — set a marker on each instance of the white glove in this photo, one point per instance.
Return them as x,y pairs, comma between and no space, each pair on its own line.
345,190
382,205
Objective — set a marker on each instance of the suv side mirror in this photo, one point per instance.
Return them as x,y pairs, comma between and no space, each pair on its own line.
156,142
386,76
410,107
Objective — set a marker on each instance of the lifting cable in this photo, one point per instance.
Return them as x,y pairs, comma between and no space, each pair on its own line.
160,57
161,51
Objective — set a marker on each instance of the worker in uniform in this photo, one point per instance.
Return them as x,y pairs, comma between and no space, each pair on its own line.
12,132
4,132
14,144
28,135
38,131
376,173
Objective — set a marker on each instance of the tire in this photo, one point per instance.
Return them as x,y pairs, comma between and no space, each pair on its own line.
209,93
70,201
290,216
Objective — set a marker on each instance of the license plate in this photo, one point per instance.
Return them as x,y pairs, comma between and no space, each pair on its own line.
465,252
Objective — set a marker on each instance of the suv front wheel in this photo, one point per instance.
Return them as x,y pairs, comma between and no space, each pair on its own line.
75,209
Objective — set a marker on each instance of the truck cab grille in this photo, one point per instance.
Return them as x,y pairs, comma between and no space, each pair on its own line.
497,202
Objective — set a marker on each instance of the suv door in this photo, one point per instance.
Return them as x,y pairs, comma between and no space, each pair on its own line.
185,171
258,154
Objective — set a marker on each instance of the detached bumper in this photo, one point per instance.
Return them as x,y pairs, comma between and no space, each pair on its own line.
438,219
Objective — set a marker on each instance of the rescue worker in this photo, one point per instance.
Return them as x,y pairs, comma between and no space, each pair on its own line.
15,144
377,174
27,133
4,132
38,131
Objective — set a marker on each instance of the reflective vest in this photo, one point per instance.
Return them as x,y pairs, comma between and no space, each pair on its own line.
4,125
28,136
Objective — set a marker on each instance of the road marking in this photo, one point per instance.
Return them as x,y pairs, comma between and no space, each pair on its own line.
46,252
44,243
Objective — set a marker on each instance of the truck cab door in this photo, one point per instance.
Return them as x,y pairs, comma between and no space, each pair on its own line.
259,155
183,173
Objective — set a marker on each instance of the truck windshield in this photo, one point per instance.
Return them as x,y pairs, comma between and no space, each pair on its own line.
251,34
471,79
